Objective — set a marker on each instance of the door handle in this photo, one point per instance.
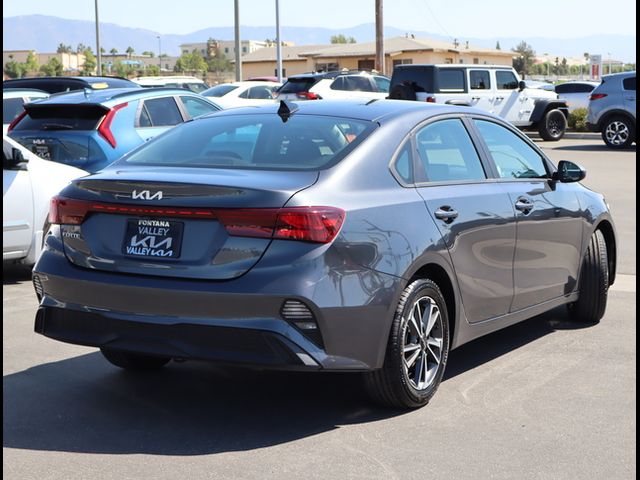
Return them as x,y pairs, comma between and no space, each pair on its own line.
475,98
446,213
524,205
499,98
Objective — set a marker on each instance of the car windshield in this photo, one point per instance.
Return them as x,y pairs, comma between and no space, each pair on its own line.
258,141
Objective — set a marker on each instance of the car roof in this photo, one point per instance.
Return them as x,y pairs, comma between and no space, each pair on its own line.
113,95
368,110
333,74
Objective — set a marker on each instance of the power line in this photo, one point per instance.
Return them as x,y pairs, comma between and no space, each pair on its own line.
444,30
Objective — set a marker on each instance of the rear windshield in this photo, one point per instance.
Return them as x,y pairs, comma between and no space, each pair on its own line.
61,117
420,78
295,85
219,90
259,141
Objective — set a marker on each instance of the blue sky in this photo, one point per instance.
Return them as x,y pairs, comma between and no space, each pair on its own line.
468,18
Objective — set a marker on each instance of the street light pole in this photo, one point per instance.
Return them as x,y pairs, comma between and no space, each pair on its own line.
237,41
98,41
159,54
278,46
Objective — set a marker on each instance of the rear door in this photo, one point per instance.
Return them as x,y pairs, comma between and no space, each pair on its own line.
481,88
629,94
473,214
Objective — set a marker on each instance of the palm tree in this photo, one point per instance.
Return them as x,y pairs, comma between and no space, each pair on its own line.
113,51
130,51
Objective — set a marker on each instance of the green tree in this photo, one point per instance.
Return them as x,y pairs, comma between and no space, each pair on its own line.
498,45
14,69
191,62
31,64
149,53
153,70
102,50
53,68
62,48
129,51
90,62
340,38
524,58
113,51
81,48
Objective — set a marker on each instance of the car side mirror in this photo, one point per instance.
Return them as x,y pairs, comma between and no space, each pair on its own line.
522,85
15,161
569,172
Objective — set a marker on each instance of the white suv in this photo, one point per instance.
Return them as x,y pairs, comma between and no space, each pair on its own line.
335,85
494,88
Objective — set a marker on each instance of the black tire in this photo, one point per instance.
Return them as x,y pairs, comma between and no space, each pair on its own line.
394,385
594,282
133,361
618,132
553,125
402,92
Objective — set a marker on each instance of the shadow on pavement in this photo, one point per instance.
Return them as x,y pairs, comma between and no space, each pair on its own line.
83,404
594,148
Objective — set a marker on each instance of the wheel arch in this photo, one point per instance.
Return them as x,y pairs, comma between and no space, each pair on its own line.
542,106
616,112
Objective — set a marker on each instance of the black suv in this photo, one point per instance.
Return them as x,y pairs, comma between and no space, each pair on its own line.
67,84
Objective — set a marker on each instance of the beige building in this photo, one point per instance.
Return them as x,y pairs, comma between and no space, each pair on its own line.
165,63
226,47
71,62
361,56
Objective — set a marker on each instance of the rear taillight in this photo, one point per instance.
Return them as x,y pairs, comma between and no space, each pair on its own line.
307,224
104,129
597,96
309,96
430,100
16,120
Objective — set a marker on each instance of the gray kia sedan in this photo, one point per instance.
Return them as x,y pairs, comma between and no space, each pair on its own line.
346,236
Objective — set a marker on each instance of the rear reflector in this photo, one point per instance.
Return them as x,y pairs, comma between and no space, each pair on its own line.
430,100
306,224
104,129
309,95
597,96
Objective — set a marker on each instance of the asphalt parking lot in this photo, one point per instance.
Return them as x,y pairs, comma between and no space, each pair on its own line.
544,399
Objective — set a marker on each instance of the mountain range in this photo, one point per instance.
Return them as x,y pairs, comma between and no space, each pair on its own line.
44,33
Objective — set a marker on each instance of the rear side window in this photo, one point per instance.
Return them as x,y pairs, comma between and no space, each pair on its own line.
382,83
295,85
450,80
512,156
11,108
506,80
419,78
447,153
352,83
479,80
163,111
258,141
62,117
629,83
262,93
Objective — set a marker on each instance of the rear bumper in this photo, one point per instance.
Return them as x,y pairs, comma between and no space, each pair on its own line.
239,321
175,340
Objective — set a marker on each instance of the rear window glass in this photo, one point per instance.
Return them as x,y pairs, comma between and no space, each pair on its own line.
420,78
450,80
629,83
218,90
295,85
261,141
61,117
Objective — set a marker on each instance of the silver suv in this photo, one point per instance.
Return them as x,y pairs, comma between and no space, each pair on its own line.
495,88
612,109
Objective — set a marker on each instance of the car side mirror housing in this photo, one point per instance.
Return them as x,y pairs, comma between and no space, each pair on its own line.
15,161
522,85
569,172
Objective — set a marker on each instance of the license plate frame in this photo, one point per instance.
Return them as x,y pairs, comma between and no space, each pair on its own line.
152,238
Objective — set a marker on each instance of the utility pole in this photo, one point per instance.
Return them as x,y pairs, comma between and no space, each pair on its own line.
278,46
237,41
379,63
98,41
159,54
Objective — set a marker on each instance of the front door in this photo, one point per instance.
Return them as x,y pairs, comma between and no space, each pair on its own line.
549,227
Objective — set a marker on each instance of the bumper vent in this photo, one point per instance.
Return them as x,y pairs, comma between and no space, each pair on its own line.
297,313
37,284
